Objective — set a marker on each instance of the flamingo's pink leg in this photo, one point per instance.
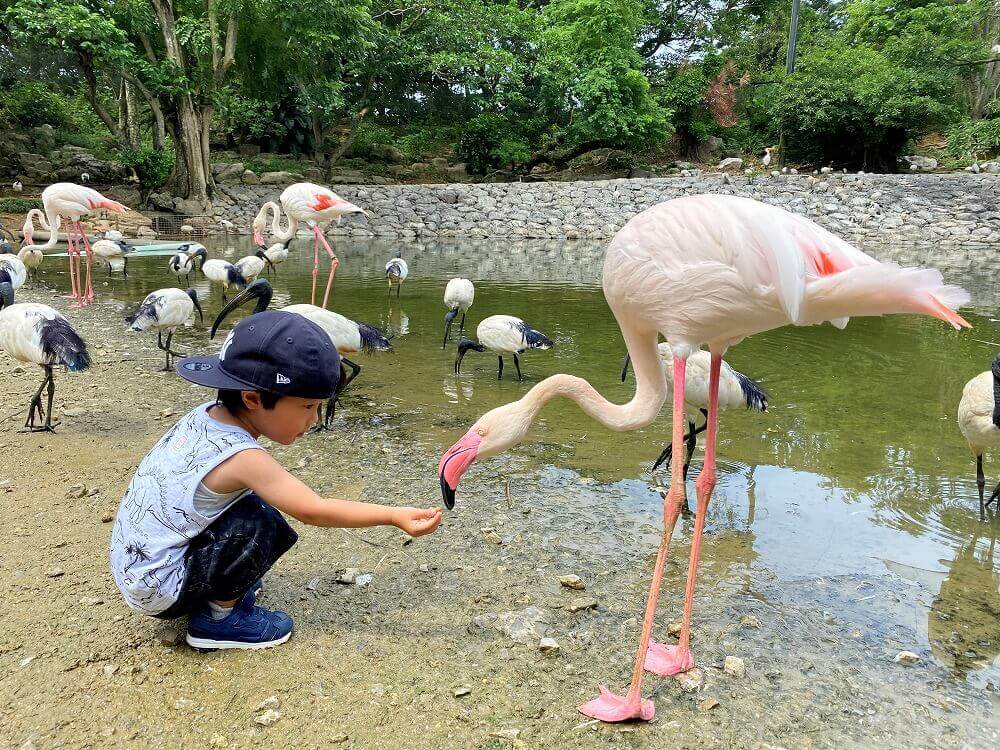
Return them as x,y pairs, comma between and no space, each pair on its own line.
608,706
71,253
312,296
334,262
89,294
668,660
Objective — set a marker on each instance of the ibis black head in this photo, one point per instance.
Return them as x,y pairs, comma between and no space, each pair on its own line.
197,305
463,346
448,318
263,256
6,294
260,290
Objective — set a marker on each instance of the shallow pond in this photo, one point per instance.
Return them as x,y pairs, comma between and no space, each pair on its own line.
857,467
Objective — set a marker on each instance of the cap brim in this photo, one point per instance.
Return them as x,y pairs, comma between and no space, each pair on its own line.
207,371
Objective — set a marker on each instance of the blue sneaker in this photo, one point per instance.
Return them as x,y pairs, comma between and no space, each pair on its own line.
252,592
247,626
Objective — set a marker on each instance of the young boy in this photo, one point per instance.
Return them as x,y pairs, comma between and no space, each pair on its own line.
199,524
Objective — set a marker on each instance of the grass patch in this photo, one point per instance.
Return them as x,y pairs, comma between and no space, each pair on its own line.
18,205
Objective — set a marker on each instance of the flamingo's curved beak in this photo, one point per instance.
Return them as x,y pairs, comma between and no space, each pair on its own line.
258,238
453,464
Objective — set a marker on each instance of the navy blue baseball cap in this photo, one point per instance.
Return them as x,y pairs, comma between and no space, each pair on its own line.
275,351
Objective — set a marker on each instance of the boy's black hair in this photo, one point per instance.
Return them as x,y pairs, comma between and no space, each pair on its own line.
233,400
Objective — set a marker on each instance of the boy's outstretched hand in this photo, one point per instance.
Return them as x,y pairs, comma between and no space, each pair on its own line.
417,521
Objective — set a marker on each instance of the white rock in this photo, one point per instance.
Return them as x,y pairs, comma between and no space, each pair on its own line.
734,666
572,581
268,718
906,657
548,646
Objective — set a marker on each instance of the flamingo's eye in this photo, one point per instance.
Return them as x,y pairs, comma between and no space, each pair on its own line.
481,431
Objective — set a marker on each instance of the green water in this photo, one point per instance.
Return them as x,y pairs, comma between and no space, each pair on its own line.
858,466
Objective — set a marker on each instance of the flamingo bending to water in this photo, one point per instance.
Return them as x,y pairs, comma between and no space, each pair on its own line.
64,199
704,270
314,205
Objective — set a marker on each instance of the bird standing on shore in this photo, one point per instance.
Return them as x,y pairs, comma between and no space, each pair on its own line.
703,270
37,334
165,310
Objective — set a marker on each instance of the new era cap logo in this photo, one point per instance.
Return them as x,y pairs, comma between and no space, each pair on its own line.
281,379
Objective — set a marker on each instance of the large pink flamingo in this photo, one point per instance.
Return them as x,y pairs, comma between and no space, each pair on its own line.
310,204
64,199
704,270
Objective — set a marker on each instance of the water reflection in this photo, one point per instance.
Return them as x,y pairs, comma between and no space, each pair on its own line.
858,459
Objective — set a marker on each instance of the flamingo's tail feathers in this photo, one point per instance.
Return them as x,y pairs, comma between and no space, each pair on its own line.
944,302
110,205
884,288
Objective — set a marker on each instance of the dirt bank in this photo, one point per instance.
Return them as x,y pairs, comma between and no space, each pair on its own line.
413,659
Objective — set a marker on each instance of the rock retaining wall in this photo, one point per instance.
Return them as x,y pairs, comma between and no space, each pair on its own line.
915,208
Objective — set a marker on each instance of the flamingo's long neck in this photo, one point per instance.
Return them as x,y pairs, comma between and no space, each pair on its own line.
49,223
650,393
282,235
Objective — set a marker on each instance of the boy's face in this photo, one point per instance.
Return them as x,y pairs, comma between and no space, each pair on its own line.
287,421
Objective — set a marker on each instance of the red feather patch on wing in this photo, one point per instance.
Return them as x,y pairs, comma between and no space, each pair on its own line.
324,201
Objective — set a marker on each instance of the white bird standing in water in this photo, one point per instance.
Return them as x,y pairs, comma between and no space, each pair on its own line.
503,334
736,391
31,253
979,422
458,298
35,333
224,274
182,263
396,270
277,253
766,161
251,265
348,336
703,270
113,252
165,310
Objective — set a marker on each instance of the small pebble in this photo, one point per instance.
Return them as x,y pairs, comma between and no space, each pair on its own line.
91,601
582,603
734,666
110,669
906,657
270,702
364,579
55,572
548,645
268,718
460,691
349,576
107,518
25,661
339,738
218,740
572,581
674,629
691,680
492,537
708,704
76,491
750,621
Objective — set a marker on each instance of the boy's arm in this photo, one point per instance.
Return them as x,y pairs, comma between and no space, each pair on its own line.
258,470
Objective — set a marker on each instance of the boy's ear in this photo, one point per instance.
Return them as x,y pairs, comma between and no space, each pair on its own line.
251,400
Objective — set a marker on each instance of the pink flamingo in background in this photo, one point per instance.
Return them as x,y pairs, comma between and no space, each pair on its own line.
704,270
64,199
312,205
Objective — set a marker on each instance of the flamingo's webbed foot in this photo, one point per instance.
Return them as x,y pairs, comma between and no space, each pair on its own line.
667,660
610,707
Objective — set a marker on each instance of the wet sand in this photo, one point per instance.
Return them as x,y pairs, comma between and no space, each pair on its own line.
401,662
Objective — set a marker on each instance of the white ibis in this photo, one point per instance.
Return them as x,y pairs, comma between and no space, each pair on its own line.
17,187
396,270
35,333
113,253
182,263
703,270
503,334
30,253
766,161
313,205
736,391
223,273
251,265
84,177
458,298
347,335
165,310
13,273
227,225
277,253
979,421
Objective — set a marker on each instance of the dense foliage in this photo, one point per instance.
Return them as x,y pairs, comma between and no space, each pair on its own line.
503,85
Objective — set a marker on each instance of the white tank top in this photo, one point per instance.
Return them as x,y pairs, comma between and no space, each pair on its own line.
166,505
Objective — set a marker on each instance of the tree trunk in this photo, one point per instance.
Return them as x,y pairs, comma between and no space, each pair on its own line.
86,61
190,178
